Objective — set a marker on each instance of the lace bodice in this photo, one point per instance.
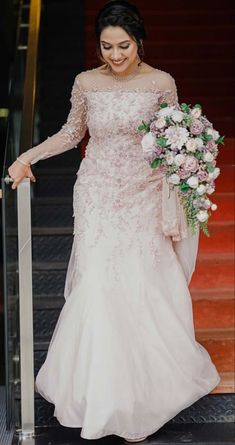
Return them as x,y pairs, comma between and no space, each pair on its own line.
108,108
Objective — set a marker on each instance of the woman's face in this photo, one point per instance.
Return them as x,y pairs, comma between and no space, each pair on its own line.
118,49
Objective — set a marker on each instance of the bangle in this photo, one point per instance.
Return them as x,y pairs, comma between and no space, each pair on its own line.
23,162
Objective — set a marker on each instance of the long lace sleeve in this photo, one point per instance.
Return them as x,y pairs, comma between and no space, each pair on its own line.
184,243
70,134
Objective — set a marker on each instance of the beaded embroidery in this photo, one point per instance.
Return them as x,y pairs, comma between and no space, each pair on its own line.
117,196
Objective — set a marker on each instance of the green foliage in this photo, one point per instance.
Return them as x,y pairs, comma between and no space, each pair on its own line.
163,104
207,137
185,108
156,163
191,214
144,127
161,141
188,120
220,140
198,154
197,106
184,187
210,168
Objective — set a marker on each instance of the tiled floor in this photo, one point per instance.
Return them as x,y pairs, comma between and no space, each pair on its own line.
175,434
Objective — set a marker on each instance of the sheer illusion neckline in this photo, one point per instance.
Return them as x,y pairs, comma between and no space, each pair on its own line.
99,79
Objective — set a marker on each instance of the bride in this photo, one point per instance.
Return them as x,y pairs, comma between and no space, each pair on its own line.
123,358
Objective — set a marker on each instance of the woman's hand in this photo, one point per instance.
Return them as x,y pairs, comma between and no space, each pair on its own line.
18,172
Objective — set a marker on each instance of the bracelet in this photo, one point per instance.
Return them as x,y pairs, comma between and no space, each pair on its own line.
22,162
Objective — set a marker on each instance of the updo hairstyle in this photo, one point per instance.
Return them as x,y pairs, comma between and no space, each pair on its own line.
124,14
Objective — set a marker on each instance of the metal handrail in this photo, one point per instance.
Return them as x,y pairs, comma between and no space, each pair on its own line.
30,76
27,384
24,231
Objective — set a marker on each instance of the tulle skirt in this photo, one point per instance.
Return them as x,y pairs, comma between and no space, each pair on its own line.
123,358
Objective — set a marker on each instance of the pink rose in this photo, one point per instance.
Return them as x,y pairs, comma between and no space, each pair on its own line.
202,175
210,145
183,174
191,164
158,150
157,125
196,127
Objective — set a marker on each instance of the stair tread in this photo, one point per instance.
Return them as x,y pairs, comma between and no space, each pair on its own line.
212,294
217,334
227,383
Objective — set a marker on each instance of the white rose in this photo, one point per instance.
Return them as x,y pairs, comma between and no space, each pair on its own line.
174,179
213,175
193,182
202,215
177,115
167,111
196,112
214,207
215,135
179,159
160,122
208,157
148,142
216,172
207,203
198,142
201,189
169,158
191,145
210,189
209,131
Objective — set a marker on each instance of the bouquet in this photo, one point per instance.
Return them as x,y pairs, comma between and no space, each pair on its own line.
182,142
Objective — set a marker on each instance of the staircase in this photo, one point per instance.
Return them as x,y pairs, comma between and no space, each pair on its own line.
176,43
212,285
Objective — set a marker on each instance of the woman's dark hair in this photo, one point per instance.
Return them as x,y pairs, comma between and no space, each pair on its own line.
124,14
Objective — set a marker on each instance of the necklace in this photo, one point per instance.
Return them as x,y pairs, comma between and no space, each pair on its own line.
124,78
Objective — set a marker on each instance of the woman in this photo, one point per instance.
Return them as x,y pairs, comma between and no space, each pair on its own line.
123,358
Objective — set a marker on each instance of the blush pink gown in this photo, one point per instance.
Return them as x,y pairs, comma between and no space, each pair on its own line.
123,358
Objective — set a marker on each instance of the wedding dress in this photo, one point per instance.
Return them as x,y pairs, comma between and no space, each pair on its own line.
123,358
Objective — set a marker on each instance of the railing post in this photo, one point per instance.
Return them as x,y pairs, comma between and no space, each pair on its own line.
26,308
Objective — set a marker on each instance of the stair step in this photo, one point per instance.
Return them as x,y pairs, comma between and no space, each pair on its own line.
227,152
53,248
177,434
210,104
221,239
227,383
213,271
187,87
50,186
220,345
225,181
226,207
49,281
52,216
211,294
213,313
